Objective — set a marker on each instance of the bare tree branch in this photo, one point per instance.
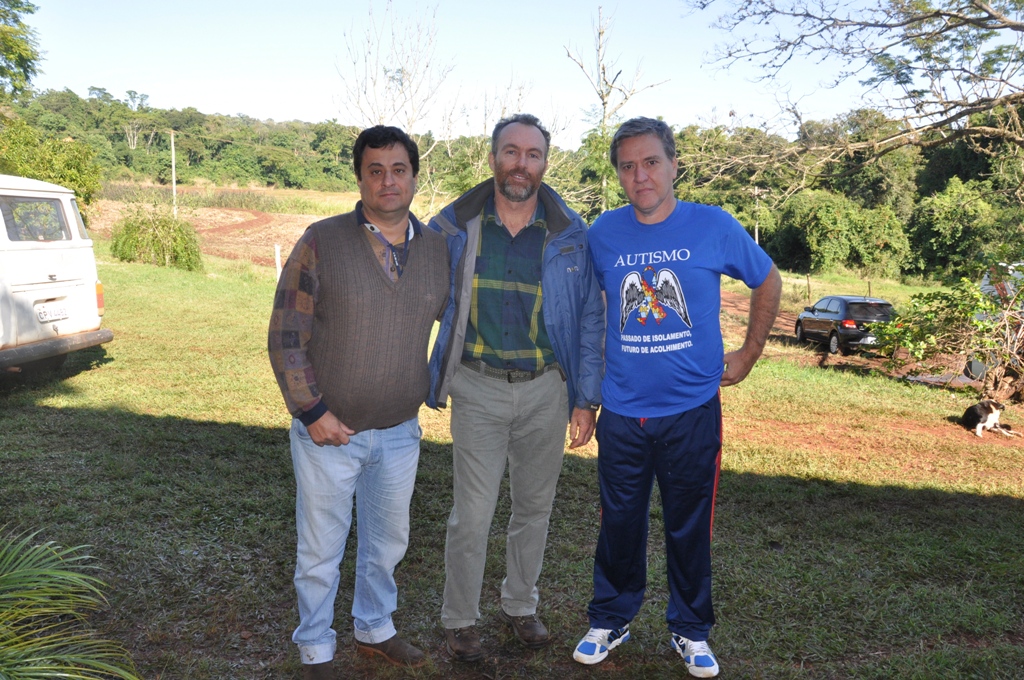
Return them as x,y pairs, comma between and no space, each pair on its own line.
942,70
392,75
612,93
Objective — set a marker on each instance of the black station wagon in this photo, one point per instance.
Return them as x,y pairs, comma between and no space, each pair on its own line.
842,321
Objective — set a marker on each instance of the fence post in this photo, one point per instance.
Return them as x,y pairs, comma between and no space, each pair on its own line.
174,179
277,259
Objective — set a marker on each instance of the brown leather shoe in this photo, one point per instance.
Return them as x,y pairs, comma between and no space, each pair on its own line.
395,650
318,671
463,643
530,631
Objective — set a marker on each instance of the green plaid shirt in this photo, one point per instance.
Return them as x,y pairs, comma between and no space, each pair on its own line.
506,321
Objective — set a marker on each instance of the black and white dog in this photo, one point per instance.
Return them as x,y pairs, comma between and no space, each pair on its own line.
985,416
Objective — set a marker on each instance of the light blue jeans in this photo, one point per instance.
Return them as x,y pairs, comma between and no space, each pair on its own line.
378,468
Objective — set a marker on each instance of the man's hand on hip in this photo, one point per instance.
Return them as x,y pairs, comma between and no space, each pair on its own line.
737,367
581,426
329,431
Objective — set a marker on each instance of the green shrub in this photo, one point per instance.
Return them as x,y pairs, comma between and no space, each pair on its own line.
151,234
948,328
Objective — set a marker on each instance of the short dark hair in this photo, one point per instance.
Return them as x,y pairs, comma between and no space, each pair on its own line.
522,119
383,137
635,127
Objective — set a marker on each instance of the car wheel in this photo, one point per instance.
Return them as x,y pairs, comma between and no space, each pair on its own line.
833,343
800,337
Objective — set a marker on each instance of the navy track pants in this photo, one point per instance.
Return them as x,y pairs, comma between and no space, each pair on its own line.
684,453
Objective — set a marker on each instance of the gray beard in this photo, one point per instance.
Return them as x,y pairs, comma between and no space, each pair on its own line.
516,194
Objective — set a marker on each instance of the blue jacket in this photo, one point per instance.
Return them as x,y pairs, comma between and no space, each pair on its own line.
572,303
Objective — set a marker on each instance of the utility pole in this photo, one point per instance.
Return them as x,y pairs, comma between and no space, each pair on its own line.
174,179
757,211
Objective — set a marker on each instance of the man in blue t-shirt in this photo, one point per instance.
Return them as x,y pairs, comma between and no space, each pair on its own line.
659,261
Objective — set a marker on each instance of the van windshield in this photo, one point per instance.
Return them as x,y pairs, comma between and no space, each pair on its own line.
34,219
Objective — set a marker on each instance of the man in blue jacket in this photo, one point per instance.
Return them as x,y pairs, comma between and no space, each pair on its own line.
519,351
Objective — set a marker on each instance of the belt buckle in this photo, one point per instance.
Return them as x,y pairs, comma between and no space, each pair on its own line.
516,375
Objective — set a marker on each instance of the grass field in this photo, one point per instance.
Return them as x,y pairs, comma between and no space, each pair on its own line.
860,533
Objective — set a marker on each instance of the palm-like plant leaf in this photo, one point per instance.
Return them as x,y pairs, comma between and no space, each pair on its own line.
44,599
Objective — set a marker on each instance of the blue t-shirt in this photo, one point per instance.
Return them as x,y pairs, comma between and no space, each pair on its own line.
663,347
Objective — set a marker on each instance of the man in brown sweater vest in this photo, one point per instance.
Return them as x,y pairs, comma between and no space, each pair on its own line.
348,343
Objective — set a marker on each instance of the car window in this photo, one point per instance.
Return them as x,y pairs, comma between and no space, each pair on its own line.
871,311
78,220
822,305
833,306
34,219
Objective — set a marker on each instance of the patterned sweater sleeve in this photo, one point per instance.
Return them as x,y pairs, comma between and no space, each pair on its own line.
291,326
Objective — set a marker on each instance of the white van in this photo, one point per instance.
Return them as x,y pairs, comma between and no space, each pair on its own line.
51,300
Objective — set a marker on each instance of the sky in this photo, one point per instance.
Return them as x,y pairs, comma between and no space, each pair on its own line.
282,60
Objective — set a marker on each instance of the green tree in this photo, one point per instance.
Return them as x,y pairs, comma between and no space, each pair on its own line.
61,161
880,246
133,117
959,159
332,144
814,232
889,181
934,64
952,230
19,53
820,231
726,167
282,167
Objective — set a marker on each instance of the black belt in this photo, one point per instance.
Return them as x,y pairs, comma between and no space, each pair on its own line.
512,376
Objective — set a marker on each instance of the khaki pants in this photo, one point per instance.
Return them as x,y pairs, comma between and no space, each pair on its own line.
494,421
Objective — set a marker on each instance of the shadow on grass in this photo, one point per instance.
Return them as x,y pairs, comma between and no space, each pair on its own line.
786,340
192,524
77,362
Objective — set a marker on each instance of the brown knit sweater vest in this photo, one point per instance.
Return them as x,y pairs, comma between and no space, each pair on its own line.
369,340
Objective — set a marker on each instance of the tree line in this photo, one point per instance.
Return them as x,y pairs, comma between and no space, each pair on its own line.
915,211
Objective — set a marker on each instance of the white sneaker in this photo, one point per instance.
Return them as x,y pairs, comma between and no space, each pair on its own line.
596,644
699,660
